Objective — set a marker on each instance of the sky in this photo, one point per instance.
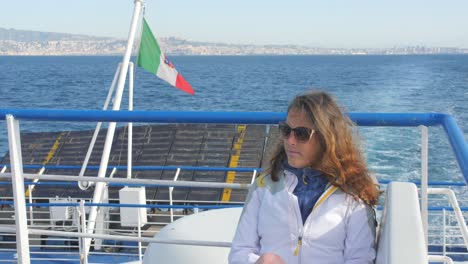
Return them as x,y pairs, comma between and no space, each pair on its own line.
318,23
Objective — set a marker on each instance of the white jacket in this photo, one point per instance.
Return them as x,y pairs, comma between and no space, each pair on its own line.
338,230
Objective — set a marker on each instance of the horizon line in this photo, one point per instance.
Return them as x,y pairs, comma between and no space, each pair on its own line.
393,46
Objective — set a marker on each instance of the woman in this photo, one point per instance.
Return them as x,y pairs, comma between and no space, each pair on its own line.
315,203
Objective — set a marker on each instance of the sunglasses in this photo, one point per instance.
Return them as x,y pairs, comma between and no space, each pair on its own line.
302,134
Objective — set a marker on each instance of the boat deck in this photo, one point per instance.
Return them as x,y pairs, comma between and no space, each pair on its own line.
158,151
200,145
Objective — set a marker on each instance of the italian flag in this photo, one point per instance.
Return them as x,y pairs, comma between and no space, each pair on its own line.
151,58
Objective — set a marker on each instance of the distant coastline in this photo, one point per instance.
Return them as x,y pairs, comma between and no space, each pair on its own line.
33,43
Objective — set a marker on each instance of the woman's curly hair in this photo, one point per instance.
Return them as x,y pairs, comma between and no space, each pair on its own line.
341,159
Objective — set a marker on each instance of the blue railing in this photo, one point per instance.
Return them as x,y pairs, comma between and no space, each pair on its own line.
454,133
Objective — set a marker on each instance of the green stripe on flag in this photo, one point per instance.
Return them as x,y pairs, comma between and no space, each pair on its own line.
149,53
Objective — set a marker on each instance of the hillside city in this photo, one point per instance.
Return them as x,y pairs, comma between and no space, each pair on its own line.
33,43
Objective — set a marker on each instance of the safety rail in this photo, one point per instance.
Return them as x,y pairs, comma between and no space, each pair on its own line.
114,169
12,116
116,247
170,168
454,133
36,228
129,249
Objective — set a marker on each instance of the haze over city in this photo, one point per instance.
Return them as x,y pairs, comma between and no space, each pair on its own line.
334,23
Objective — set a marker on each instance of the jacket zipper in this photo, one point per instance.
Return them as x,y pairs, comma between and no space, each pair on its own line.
328,191
297,251
301,233
298,247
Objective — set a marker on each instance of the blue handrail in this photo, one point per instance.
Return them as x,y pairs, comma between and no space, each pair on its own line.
361,119
454,133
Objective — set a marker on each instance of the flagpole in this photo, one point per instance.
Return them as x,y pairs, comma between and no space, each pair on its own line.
85,185
130,124
111,130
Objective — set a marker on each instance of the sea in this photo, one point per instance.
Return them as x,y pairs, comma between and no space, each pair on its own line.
361,83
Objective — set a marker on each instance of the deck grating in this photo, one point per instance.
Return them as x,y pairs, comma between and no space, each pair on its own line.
153,145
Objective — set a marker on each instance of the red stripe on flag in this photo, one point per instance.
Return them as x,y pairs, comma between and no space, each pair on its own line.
182,84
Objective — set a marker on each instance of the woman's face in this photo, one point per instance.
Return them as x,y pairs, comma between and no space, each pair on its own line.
301,153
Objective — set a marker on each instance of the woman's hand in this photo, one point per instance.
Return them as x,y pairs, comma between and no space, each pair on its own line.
270,258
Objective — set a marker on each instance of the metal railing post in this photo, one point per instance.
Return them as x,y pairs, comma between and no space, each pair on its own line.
16,160
31,222
170,195
41,171
114,170
253,176
444,233
84,250
78,227
456,209
140,256
102,218
30,189
424,180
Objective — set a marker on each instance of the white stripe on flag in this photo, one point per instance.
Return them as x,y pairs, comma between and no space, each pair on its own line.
169,74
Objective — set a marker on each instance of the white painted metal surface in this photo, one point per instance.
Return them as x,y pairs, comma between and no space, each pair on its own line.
112,125
131,216
83,250
130,125
215,225
160,183
30,189
441,259
171,189
197,242
401,235
60,213
16,161
253,176
456,208
424,179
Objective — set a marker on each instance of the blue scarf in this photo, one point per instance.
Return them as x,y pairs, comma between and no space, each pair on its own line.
310,185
